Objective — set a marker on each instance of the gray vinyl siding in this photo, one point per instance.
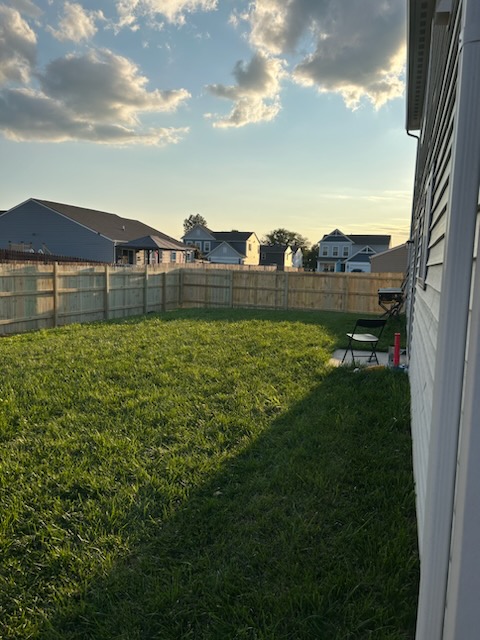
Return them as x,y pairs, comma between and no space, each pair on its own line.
35,223
433,164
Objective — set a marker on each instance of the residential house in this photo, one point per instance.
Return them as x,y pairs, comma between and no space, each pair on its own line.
392,261
297,258
336,251
278,255
443,311
225,247
63,229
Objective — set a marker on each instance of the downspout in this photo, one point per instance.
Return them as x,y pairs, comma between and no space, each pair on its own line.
452,334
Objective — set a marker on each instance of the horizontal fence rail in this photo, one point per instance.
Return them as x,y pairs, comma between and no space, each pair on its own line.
39,296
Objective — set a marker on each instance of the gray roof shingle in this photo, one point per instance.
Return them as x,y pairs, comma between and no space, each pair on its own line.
108,224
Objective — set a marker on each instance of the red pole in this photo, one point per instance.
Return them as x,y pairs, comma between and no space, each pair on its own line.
396,350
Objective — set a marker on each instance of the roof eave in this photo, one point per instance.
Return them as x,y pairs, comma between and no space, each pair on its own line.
419,25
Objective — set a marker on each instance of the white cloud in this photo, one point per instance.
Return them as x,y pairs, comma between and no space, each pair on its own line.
255,94
76,24
352,47
26,7
172,10
97,97
105,87
17,47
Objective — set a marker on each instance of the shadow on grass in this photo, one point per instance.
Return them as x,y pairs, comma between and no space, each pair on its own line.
308,533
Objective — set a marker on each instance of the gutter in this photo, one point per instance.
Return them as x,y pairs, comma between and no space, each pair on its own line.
450,378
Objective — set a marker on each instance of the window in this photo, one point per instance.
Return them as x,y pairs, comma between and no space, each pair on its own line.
345,252
334,252
249,246
198,244
207,246
325,251
173,256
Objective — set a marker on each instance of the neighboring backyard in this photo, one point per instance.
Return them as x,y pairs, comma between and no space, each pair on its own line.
204,475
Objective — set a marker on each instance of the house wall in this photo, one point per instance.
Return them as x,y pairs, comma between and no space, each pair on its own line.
429,225
198,237
444,321
224,254
335,249
363,266
34,223
252,251
393,261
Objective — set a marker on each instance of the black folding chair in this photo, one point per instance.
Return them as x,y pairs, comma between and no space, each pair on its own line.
365,338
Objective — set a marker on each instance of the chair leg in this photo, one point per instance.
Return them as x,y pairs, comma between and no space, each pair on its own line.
349,346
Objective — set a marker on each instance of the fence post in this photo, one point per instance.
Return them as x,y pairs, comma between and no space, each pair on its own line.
230,287
145,291
164,291
107,292
55,294
180,289
285,291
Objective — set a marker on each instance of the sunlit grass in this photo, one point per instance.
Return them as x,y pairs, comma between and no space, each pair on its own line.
203,474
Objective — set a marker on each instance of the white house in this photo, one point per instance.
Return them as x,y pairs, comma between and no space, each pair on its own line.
443,111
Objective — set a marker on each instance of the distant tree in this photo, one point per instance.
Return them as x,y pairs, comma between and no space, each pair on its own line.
192,220
310,258
283,236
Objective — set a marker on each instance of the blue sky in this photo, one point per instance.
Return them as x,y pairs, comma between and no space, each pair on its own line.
257,115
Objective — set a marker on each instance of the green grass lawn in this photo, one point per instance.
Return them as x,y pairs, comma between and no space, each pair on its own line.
204,475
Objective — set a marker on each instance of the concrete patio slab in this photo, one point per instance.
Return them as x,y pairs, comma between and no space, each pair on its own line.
336,359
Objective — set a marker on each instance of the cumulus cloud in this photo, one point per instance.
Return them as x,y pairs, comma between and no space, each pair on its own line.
351,47
105,86
26,7
76,24
173,11
255,94
97,97
17,47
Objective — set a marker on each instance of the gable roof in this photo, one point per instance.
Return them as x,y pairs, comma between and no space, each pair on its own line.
231,248
335,236
198,227
232,236
107,224
156,242
363,255
370,239
274,248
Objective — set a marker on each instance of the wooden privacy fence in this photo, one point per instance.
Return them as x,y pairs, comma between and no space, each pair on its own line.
38,296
